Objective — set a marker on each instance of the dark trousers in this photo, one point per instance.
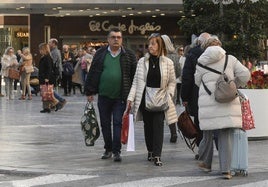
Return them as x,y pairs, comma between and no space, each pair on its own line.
154,131
111,109
67,83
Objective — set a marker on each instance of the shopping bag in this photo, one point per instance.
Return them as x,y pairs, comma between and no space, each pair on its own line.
125,127
47,92
188,129
247,114
131,135
89,125
13,74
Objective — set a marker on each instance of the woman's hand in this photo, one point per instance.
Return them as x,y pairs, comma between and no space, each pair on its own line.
128,107
90,98
46,80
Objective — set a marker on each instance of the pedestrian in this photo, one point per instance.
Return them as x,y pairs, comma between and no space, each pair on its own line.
110,76
8,61
180,52
26,67
77,76
213,115
86,61
189,91
18,53
154,70
1,95
46,75
57,69
68,59
171,53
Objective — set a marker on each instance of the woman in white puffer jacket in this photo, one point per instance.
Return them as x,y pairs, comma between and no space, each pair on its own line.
223,117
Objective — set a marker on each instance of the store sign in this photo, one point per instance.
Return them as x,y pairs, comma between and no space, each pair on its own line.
96,26
21,34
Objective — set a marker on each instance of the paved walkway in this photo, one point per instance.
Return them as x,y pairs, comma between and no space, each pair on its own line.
48,150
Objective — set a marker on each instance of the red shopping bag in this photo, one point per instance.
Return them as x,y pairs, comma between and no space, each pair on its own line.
247,114
125,127
47,92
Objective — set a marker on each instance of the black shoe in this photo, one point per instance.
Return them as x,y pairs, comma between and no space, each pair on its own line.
196,157
45,111
106,155
150,156
157,161
117,157
173,138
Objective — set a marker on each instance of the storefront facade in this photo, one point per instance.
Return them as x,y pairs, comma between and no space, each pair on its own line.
21,31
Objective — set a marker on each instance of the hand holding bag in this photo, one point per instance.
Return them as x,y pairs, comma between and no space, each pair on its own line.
89,125
47,92
125,127
247,114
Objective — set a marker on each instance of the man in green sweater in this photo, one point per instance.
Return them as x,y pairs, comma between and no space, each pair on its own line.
110,76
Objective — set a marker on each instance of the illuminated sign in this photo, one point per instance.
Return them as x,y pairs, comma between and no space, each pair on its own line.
96,26
21,34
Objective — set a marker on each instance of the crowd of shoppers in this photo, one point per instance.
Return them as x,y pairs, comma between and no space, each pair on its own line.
121,79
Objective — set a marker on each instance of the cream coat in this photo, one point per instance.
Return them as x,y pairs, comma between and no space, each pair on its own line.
168,80
8,62
214,115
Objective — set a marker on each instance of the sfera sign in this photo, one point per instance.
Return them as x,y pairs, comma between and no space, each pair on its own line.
21,34
131,28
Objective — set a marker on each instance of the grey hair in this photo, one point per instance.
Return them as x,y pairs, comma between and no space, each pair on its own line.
168,44
203,37
212,41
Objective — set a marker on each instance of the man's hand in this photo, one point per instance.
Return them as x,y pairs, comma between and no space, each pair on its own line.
90,98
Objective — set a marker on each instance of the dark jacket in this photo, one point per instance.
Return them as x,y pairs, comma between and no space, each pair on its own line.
46,70
189,91
128,67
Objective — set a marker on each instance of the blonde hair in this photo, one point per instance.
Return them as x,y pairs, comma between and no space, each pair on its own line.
26,50
45,48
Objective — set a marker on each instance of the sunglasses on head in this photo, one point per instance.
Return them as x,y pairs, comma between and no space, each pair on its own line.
154,35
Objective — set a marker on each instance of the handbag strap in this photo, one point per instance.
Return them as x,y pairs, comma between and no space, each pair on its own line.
214,71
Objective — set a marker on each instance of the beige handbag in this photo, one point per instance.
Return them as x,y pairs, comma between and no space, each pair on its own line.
29,69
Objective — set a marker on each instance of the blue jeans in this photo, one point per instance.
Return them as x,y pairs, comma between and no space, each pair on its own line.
58,97
111,109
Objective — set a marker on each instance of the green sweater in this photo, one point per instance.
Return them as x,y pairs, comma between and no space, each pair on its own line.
110,80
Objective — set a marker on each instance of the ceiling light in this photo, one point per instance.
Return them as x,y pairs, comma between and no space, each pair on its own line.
97,14
81,10
59,7
96,8
104,12
17,8
162,14
131,14
157,10
139,12
22,7
88,9
180,11
148,11
67,14
124,16
154,16
112,11
129,8
91,16
54,8
183,16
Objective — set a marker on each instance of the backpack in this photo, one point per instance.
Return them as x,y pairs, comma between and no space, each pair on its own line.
226,90
68,68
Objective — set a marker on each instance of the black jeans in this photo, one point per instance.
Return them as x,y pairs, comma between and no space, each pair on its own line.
111,109
67,83
154,131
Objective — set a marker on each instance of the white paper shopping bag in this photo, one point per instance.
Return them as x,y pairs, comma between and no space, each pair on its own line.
131,135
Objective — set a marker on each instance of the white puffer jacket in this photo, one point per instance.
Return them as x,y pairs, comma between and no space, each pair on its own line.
168,79
214,115
7,63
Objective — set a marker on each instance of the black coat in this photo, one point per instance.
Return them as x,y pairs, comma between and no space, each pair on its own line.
46,70
189,90
128,64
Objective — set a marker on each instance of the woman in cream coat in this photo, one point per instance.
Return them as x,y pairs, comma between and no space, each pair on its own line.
9,60
223,117
154,70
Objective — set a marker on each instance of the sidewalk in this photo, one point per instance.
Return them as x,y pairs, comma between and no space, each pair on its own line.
42,144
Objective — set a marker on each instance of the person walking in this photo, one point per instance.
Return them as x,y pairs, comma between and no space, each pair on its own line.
26,67
154,70
189,91
57,69
171,53
8,61
46,75
1,95
110,76
213,115
68,61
